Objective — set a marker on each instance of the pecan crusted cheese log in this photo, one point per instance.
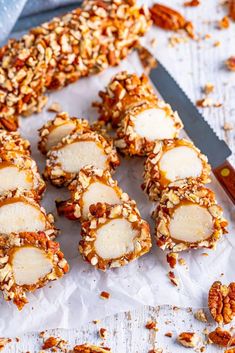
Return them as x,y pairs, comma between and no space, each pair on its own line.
28,261
124,91
12,141
19,172
188,217
173,160
114,235
91,187
83,42
141,126
55,130
77,151
88,348
19,213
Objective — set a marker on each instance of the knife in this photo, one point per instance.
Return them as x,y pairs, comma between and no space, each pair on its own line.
196,127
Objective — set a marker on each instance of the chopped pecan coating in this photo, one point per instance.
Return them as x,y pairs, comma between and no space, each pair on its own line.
18,274
91,186
12,141
188,196
221,302
123,92
80,43
65,160
221,338
126,240
55,130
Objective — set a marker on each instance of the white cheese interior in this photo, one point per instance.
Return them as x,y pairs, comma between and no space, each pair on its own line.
115,238
20,217
56,135
29,265
77,155
99,192
154,124
12,178
180,162
191,223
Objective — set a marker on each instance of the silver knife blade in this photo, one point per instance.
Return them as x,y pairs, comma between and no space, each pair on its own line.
195,125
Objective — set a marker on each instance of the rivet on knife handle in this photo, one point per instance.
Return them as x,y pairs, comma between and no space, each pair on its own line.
225,173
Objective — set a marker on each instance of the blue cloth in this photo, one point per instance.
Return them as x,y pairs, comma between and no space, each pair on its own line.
11,10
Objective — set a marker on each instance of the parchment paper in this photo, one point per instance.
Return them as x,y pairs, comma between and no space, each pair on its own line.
74,300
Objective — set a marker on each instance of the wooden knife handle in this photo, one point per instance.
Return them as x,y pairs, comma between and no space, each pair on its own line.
225,173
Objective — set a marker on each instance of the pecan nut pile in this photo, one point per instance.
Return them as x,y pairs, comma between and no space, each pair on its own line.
221,302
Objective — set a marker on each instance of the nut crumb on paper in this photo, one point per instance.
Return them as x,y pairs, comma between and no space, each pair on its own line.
174,280
172,259
208,88
192,3
104,295
224,23
200,315
230,63
103,333
4,342
151,325
168,334
188,339
228,126
55,107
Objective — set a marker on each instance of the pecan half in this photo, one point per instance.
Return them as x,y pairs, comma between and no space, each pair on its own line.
167,18
221,337
231,9
221,302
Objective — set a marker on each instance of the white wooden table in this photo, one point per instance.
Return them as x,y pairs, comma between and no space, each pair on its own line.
193,64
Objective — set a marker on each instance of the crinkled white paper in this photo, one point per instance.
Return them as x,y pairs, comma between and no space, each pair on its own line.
74,300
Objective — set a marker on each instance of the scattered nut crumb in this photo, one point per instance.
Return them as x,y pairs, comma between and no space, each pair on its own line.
208,88
172,258
188,339
96,321
200,315
153,42
228,126
54,107
217,104
168,334
105,295
217,43
182,262
103,333
192,3
205,254
207,36
174,280
4,342
50,342
156,350
204,102
224,23
151,325
230,63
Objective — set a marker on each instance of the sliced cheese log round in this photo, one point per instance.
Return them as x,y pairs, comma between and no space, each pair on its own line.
191,223
12,178
29,265
59,132
77,155
115,239
154,124
180,162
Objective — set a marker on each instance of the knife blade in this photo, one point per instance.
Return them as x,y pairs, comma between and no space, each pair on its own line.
196,127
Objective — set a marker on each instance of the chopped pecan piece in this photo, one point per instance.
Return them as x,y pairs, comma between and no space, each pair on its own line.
151,325
167,18
231,7
200,316
172,259
188,339
224,23
230,63
105,295
221,302
4,342
50,342
231,350
192,3
221,337
103,333
174,280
